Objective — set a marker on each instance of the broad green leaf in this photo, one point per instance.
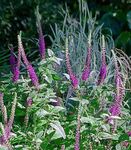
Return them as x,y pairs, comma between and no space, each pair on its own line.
59,129
42,113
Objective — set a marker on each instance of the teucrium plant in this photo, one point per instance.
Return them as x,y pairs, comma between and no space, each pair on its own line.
63,116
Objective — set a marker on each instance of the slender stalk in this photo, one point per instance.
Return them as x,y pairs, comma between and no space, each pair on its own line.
77,137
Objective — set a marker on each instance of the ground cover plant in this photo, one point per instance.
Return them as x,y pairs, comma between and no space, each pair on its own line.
75,95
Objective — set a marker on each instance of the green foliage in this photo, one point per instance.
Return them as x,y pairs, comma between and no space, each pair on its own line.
56,105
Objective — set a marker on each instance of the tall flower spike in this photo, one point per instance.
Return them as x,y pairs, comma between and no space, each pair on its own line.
6,130
29,67
11,120
3,109
86,71
21,49
3,137
12,59
16,73
102,74
41,37
33,76
73,78
77,137
28,104
115,109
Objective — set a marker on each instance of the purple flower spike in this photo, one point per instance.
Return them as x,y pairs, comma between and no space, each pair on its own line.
8,126
42,47
86,71
85,74
29,67
115,109
16,66
73,78
33,76
74,81
16,74
12,59
102,74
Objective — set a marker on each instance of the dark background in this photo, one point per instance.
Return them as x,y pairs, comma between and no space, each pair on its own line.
19,15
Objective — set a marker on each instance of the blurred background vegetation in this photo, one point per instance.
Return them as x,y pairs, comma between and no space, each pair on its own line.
16,15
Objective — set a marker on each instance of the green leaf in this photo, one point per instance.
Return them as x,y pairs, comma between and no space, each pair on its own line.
42,113
88,119
123,137
59,129
105,135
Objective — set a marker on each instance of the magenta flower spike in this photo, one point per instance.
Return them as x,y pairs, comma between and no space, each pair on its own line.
29,67
102,74
42,48
41,44
86,71
33,76
115,109
7,126
12,59
73,78
16,72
